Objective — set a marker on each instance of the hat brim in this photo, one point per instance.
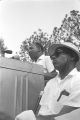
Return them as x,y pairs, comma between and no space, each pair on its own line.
53,47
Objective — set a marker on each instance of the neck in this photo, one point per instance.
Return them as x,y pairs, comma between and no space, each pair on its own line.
66,70
39,54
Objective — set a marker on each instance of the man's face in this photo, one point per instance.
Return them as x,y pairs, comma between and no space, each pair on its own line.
33,52
60,58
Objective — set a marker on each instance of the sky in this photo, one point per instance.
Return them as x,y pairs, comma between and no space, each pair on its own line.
20,18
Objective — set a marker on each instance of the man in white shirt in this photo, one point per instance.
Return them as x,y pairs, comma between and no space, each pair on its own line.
64,95
36,52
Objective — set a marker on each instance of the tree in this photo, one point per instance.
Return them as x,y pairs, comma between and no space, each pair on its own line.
38,36
2,47
68,31
70,28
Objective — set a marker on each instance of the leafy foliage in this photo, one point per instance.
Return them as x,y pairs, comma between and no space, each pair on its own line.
2,46
68,31
70,28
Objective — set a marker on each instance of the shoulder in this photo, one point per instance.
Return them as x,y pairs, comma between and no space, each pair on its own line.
77,75
51,82
76,79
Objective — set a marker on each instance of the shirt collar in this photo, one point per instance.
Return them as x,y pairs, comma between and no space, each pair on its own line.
72,73
41,57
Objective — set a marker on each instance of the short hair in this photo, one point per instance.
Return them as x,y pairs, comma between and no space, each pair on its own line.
40,46
70,52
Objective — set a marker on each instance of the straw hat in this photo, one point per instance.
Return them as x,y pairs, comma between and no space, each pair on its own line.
69,45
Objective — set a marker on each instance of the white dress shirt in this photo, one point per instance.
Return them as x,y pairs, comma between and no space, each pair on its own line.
46,62
71,83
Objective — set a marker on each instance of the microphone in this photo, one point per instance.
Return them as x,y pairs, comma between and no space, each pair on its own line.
7,51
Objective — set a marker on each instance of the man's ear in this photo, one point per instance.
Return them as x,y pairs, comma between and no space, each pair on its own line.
39,49
73,58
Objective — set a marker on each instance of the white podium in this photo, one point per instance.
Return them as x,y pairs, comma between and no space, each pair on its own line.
20,85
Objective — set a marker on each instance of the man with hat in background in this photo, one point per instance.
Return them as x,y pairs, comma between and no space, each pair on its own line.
62,93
